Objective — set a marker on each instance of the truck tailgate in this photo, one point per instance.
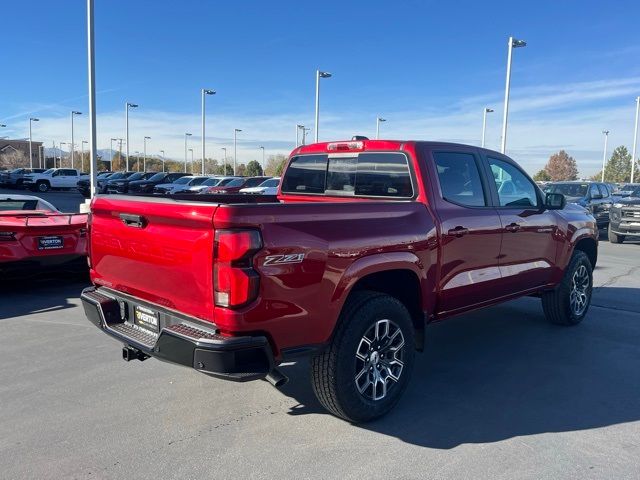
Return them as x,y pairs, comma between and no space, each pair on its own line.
160,250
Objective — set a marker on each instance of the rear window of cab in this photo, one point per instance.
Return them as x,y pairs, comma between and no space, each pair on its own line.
367,174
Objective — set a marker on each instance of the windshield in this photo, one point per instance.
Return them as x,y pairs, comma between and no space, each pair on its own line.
182,180
16,170
211,182
635,191
136,176
116,176
48,172
236,182
224,181
569,189
272,182
157,177
9,204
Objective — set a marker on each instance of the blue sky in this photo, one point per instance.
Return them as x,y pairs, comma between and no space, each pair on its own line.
429,68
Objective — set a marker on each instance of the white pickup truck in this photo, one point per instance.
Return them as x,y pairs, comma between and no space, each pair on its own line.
62,178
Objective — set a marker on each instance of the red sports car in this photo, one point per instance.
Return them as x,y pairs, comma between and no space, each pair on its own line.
34,234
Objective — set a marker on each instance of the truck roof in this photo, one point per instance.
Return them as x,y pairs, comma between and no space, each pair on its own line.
363,145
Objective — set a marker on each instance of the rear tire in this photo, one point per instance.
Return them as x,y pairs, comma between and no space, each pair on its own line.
614,237
568,303
43,187
366,368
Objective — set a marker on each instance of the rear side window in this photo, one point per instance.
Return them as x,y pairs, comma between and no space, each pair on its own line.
375,174
459,178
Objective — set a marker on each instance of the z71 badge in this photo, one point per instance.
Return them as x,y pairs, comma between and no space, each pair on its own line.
284,259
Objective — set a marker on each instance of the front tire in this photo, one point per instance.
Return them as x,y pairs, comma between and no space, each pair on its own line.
568,303
43,187
614,237
366,368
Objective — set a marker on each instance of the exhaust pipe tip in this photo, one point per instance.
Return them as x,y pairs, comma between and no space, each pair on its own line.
276,378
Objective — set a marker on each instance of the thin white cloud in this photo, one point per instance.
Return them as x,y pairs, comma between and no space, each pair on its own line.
543,119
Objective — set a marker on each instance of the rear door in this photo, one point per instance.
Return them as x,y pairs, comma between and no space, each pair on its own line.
156,249
470,230
529,241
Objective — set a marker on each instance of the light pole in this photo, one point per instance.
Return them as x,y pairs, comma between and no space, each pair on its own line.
31,120
262,148
235,148
120,140
484,122
162,151
93,144
111,157
73,114
513,43
635,140
378,122
319,75
205,92
604,154
224,161
144,165
298,127
61,152
128,105
186,136
82,154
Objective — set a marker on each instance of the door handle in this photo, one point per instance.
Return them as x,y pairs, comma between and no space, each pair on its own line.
137,221
458,231
512,227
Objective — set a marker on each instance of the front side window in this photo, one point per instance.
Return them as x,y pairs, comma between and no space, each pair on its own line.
459,178
514,188
368,174
593,191
604,190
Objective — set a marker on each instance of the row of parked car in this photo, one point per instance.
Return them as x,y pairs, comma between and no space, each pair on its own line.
171,183
615,207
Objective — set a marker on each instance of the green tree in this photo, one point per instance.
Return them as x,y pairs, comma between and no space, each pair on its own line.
618,168
561,166
253,169
542,176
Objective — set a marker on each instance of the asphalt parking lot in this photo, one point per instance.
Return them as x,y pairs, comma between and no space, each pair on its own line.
498,394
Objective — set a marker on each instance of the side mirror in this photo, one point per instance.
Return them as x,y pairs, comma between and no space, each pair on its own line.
555,201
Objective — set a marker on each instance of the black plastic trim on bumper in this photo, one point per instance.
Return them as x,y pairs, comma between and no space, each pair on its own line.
232,358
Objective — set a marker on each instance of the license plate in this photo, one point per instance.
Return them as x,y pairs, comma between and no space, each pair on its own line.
146,318
50,243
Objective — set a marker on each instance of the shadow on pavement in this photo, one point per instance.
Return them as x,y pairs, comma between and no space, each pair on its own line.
49,291
505,372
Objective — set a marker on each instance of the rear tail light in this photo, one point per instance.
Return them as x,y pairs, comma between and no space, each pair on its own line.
7,236
236,283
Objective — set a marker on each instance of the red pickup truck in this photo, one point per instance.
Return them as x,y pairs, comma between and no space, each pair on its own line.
366,243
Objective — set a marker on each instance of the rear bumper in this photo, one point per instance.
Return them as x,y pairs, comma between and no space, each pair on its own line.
181,340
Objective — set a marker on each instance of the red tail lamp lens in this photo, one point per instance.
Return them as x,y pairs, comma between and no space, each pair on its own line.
235,281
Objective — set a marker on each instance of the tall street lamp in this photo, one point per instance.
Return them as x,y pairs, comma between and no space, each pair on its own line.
73,114
378,122
205,92
319,75
604,154
31,120
128,105
224,160
235,148
484,122
162,152
262,148
513,43
144,165
635,140
186,136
